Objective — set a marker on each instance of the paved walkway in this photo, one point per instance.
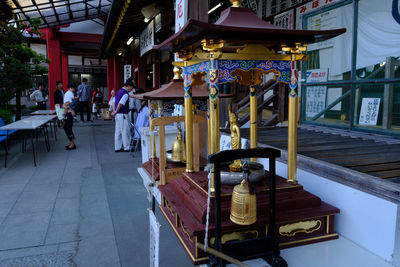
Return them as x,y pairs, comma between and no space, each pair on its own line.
85,207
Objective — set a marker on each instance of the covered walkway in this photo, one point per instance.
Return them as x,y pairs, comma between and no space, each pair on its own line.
85,207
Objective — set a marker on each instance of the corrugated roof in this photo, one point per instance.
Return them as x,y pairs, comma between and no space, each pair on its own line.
59,12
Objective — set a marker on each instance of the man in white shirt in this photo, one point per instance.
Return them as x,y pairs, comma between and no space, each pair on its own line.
122,124
37,97
68,118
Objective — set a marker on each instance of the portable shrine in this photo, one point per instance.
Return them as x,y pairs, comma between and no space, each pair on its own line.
241,47
167,164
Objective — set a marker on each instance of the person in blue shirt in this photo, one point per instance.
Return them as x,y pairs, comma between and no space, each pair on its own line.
84,94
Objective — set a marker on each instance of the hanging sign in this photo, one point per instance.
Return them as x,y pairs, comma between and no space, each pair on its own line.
369,111
154,240
127,72
158,22
147,38
181,16
316,95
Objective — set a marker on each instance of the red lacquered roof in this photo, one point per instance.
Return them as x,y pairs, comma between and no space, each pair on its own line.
174,90
241,25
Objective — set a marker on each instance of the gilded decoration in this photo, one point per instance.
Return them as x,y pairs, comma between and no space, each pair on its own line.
244,235
293,80
226,69
306,227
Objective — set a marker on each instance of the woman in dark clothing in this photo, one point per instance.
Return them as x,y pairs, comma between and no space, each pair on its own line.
68,116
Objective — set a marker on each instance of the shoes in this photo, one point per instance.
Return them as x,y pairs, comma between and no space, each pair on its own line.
122,150
70,148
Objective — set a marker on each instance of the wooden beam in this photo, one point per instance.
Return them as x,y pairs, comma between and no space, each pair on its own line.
79,37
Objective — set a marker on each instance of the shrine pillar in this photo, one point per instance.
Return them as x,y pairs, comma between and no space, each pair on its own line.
292,123
253,119
214,105
64,66
110,76
188,119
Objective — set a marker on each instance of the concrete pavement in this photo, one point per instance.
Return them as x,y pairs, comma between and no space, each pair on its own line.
85,207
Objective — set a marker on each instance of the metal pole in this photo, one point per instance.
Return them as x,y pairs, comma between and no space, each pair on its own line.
353,64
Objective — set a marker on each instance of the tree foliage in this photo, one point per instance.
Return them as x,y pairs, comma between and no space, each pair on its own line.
18,62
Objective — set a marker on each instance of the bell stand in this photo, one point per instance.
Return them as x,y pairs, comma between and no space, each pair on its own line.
265,247
167,175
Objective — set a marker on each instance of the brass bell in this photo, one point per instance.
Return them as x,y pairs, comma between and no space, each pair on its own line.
243,205
178,149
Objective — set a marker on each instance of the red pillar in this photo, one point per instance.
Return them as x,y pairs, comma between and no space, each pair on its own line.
117,83
156,71
64,66
110,76
54,69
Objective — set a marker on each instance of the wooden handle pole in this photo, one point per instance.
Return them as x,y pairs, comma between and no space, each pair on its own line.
222,255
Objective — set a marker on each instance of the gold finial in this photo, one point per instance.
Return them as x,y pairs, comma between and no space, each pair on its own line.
236,3
177,73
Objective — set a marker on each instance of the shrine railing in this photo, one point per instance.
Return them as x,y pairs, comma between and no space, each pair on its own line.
278,99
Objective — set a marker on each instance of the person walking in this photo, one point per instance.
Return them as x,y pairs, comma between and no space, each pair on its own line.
111,102
122,127
84,99
59,94
68,116
97,100
38,98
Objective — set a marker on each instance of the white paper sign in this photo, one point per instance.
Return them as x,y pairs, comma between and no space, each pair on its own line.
127,72
154,240
316,95
147,38
225,143
369,111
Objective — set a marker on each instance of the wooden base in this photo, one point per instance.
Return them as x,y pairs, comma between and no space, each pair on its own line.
171,171
302,218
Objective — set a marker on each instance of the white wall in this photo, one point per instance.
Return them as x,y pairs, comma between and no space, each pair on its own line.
366,220
86,26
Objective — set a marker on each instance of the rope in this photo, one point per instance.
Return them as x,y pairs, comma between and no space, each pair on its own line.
209,168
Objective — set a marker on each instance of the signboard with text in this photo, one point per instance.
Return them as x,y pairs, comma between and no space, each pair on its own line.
316,95
127,72
147,38
181,16
369,111
285,20
311,7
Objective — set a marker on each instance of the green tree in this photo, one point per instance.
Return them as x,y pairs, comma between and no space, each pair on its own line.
18,62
